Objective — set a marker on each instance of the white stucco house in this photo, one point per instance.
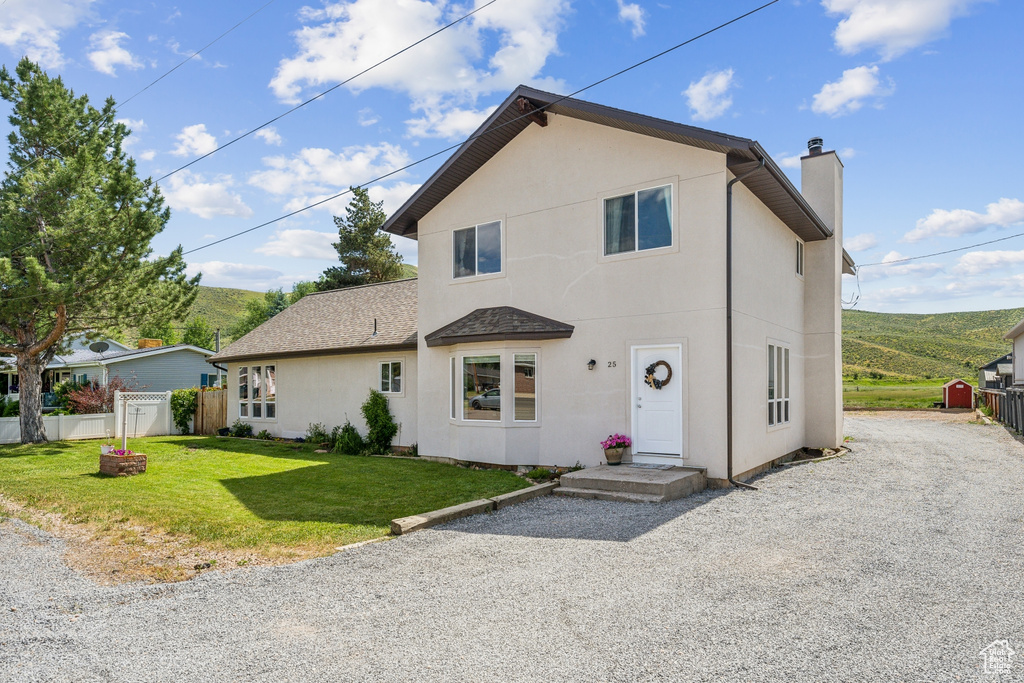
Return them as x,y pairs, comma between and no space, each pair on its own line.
582,271
1016,336
159,368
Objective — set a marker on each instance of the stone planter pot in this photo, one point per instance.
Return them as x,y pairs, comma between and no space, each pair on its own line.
122,465
614,455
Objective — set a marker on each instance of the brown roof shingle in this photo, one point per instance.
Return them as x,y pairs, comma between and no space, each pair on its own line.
339,321
496,324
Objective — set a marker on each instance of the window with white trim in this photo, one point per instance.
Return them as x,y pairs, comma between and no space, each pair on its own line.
257,392
778,385
524,390
476,250
391,377
638,221
799,258
481,388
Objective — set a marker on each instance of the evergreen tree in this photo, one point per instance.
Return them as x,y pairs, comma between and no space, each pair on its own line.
366,252
76,224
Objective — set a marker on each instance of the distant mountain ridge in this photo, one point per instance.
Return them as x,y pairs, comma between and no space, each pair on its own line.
907,346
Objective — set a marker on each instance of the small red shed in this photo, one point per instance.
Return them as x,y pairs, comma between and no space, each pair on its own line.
957,394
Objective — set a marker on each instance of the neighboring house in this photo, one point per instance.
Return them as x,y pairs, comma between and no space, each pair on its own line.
998,374
578,256
1016,336
160,368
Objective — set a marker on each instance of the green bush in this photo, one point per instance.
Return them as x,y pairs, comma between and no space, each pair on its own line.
62,394
9,408
348,441
317,433
183,407
380,423
265,435
242,429
540,474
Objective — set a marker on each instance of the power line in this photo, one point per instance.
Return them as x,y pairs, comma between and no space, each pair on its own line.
276,118
486,132
325,92
940,253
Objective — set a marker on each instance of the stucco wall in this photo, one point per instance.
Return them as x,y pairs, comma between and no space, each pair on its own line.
330,389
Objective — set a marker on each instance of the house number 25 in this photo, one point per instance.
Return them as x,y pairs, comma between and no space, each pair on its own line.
611,364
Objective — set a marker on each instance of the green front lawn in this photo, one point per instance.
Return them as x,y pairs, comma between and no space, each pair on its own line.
234,494
878,395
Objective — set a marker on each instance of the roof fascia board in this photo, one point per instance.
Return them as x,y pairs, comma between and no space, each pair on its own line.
313,353
1017,330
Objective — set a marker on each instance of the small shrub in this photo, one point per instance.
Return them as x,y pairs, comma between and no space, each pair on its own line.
540,474
265,435
414,450
381,425
242,429
317,433
183,407
348,441
10,409
577,467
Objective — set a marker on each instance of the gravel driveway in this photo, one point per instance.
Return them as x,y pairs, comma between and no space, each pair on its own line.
900,561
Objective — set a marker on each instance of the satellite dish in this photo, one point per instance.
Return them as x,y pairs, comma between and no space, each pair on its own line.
99,347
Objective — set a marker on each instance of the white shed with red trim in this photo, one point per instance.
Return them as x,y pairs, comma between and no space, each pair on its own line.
957,393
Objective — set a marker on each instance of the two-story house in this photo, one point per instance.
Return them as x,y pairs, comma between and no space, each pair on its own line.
585,270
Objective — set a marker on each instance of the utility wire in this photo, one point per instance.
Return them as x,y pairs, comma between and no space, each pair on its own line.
325,92
486,132
940,253
295,108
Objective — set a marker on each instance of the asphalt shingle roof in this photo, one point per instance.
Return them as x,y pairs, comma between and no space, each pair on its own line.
496,324
338,321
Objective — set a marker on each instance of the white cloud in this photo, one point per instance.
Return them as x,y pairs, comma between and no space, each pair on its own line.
892,27
980,262
190,192
494,50
136,125
451,123
393,196
788,160
861,242
269,135
959,222
193,141
240,275
106,53
893,267
632,13
301,244
147,155
707,97
848,93
367,117
316,173
34,27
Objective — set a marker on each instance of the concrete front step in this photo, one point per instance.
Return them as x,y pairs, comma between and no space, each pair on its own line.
639,484
620,496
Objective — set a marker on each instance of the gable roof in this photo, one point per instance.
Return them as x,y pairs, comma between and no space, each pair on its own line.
768,184
499,323
81,357
1017,330
338,321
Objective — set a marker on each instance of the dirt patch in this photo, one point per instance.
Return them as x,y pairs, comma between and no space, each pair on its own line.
939,415
124,553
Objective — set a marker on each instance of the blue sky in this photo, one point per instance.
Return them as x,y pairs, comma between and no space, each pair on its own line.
921,98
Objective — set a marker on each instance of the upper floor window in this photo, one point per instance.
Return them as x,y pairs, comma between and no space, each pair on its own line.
799,257
476,250
637,221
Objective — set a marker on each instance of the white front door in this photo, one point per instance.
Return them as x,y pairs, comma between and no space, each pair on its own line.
657,403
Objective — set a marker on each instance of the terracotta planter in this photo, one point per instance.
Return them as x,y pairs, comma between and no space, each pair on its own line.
122,465
614,455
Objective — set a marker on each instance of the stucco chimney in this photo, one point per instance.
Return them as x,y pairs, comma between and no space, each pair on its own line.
821,176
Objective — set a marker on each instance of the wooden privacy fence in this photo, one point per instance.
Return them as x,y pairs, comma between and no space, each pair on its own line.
1007,406
211,410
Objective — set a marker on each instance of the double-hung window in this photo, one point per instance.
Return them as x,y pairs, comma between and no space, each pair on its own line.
476,250
257,392
638,221
391,377
778,385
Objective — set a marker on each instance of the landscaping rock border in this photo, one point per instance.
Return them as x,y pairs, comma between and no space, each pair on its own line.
405,525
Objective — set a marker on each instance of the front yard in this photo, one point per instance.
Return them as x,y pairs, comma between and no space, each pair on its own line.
230,501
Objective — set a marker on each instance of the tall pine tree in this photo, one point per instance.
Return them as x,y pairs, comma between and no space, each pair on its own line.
366,252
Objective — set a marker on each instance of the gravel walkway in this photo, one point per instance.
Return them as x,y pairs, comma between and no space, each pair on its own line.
900,561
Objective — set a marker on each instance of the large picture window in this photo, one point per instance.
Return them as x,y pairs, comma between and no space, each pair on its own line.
257,392
481,390
778,385
391,377
638,221
476,250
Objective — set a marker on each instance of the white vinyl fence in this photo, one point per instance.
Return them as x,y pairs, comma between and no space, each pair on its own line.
141,414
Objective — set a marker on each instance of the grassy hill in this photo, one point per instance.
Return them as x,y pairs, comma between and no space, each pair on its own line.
909,347
222,306
408,270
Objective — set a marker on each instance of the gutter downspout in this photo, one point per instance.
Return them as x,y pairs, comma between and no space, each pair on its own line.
728,324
